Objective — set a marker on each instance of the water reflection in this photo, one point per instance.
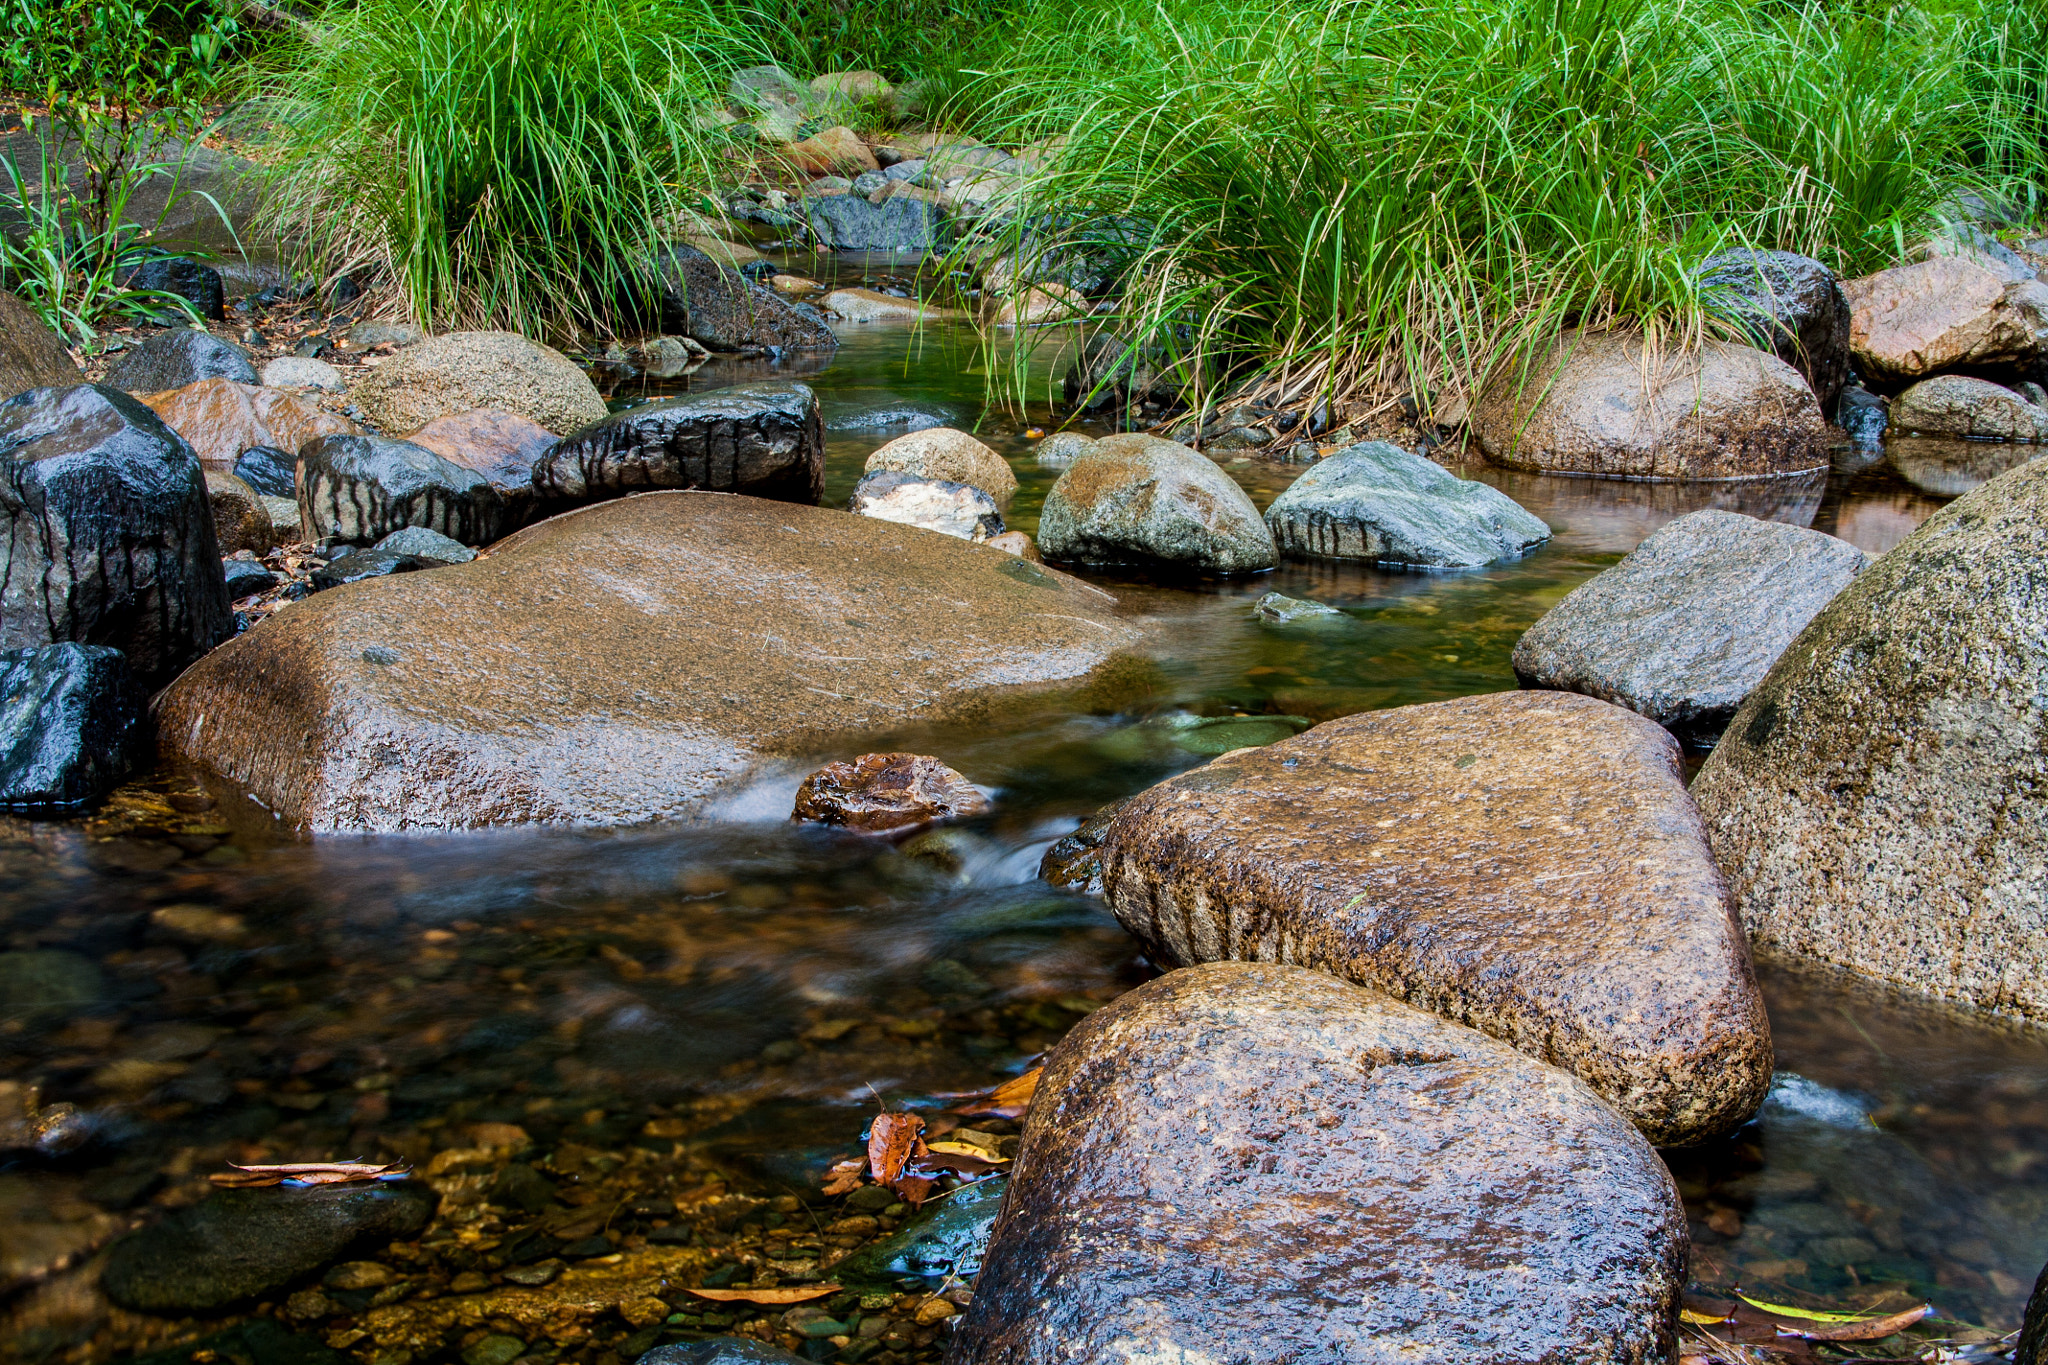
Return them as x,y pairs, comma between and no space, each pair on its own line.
1950,468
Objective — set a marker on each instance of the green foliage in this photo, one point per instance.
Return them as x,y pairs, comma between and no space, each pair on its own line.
152,50
902,39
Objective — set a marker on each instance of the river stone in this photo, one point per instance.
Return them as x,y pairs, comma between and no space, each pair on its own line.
949,1237
1062,448
1731,412
240,520
238,1244
2032,1348
1137,499
1525,862
878,793
1957,405
109,532
1970,310
869,305
716,305
301,372
631,661
722,1351
223,420
31,355
1075,860
950,509
1281,610
424,544
47,981
1871,801
362,488
367,564
464,371
1686,626
884,416
181,356
1379,502
273,473
1792,306
902,222
246,577
69,718
501,446
1242,1162
764,440
837,149
944,453
197,284
1018,544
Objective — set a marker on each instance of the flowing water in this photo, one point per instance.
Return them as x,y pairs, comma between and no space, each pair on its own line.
205,990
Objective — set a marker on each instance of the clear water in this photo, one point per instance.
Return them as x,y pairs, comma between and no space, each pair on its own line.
237,997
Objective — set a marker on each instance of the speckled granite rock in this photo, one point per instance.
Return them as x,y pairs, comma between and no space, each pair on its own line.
1378,502
1874,801
1257,1162
943,453
1957,405
1527,863
1947,312
1137,499
1683,628
465,371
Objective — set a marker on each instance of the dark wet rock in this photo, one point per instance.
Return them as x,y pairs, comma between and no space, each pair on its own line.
258,1341
944,453
1970,310
467,371
69,720
1862,415
47,981
1790,305
764,440
238,1244
223,420
2032,1348
1111,372
110,535
362,488
1262,1162
501,446
1958,405
887,417
1379,502
950,509
1279,610
723,1351
879,793
1585,407
421,543
519,1185
946,1238
367,564
1075,860
1140,500
1524,862
633,660
240,520
181,356
902,222
1685,627
199,285
1872,802
31,355
273,473
247,576
716,305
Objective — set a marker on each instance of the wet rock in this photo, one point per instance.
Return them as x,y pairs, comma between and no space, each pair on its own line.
199,285
31,355
723,1351
1075,860
421,543
764,440
1970,310
238,1244
880,793
1526,863
886,416
464,371
951,509
1018,544
902,222
1792,306
47,981
1063,447
866,305
1138,500
273,473
301,372
1685,627
1379,502
284,518
632,661
362,488
110,537
1280,610
240,520
1869,801
223,420
181,356
1862,415
246,577
1732,412
951,455
257,1341
714,304
502,447
2032,1348
1957,405
1261,1162
946,1238
367,564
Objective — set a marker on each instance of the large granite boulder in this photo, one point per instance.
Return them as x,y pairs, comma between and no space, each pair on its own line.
630,662
1585,407
764,440
901,222
714,304
943,453
1685,627
1873,802
1244,1162
223,419
181,356
1958,405
1526,863
951,509
69,718
1381,503
1790,305
109,532
501,446
1140,500
31,355
362,488
1972,310
464,371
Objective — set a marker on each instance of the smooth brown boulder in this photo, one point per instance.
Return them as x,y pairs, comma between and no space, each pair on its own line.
943,453
1526,863
1244,1162
220,418
240,520
464,371
502,446
31,355
879,793
832,151
631,661
1586,407
1969,310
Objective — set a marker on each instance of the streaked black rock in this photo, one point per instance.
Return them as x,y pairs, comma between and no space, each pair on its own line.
362,488
765,440
69,718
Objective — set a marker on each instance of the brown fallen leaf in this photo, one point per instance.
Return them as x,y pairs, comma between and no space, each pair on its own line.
792,1294
844,1177
308,1173
894,1141
1870,1329
915,1189
1010,1100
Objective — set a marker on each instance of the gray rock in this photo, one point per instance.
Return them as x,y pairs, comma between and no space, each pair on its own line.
302,372
717,306
238,1244
1140,500
1957,405
867,182
722,1351
1280,610
245,577
848,222
362,488
421,543
1256,1162
910,171
947,1238
47,981
387,334
1863,415
754,86
951,509
1062,448
1792,306
367,564
181,356
31,355
1379,502
764,440
1685,628
1872,802
889,417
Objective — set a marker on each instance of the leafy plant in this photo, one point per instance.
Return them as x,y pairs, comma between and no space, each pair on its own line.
153,50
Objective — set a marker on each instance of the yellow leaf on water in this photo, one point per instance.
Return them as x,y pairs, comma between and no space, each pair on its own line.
1811,1315
1699,1319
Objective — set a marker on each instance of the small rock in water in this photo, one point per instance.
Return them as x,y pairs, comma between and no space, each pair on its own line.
943,453
69,716
359,1275
723,1351
885,416
951,509
1959,405
1863,415
421,543
878,793
1136,499
1282,610
47,981
1062,447
1075,860
1379,502
717,306
865,305
947,1238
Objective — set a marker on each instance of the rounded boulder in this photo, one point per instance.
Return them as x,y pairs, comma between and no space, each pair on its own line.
943,453
1141,500
463,371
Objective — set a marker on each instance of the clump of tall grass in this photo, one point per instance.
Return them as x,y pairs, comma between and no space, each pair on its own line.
494,163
